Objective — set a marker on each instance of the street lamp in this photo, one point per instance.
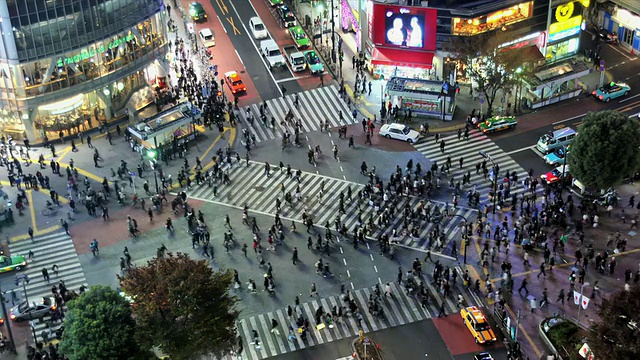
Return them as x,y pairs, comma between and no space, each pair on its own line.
151,155
320,13
564,166
495,177
580,302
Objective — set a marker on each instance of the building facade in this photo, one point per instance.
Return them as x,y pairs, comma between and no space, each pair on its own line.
526,25
623,18
68,65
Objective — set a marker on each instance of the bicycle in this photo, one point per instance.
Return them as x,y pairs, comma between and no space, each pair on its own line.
49,212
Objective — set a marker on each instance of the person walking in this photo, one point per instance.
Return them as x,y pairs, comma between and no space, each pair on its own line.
274,327
523,285
256,339
441,310
45,274
227,222
294,257
561,296
31,233
55,270
542,270
314,291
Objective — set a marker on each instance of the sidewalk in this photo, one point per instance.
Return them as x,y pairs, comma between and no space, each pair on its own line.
556,279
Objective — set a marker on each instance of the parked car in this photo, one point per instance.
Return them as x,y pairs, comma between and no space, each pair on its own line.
286,16
197,13
299,37
207,37
610,91
608,37
399,132
25,311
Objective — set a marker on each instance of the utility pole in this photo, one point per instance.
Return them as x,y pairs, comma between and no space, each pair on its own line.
5,315
580,302
24,280
333,33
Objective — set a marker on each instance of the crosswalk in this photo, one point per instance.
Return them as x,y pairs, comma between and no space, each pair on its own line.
469,150
399,309
320,104
248,185
50,249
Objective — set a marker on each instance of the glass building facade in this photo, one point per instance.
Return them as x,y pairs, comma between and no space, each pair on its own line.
66,65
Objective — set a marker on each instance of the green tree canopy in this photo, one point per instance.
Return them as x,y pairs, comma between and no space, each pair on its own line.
182,306
605,150
98,325
617,335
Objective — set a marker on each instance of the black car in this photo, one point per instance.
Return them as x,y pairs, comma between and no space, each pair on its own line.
482,356
608,37
286,16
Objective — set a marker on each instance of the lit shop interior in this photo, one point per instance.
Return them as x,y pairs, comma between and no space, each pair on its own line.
123,53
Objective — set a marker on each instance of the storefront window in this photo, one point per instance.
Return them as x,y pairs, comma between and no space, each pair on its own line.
95,61
496,20
11,124
69,116
562,50
387,71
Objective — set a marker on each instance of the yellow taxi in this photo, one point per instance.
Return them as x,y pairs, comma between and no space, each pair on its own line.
235,82
477,324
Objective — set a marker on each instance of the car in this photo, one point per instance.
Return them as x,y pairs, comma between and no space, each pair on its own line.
555,175
234,81
275,3
399,132
556,157
498,123
313,61
25,311
299,37
286,16
478,325
608,37
10,263
197,13
610,91
207,37
483,356
258,30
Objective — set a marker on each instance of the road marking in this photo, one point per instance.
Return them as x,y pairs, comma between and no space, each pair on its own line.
525,333
206,152
348,273
238,54
629,98
64,153
621,53
352,287
520,150
223,7
375,268
371,255
344,261
569,119
285,80
233,26
32,211
379,281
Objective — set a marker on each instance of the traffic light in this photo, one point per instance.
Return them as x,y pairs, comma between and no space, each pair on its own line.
151,155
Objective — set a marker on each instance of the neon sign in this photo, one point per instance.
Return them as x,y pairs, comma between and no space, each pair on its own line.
87,54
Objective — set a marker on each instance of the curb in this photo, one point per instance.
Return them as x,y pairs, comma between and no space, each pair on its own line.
545,338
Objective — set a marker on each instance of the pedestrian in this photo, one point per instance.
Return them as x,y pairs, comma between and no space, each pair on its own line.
244,249
533,304
65,226
256,339
274,327
561,296
542,270
227,222
150,213
31,255
54,269
31,233
295,255
314,291
523,285
441,310
45,274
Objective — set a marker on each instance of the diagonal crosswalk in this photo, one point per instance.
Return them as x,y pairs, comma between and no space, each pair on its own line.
50,249
398,309
248,185
320,104
469,151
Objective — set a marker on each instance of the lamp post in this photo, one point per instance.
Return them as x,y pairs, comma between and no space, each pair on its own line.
495,177
580,302
320,12
564,166
518,89
24,280
333,33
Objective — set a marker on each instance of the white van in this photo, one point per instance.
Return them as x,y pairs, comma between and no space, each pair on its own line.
556,139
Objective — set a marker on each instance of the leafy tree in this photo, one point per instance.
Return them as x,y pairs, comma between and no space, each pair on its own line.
605,150
182,306
616,335
489,69
98,325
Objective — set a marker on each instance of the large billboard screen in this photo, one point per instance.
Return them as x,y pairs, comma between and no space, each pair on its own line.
404,27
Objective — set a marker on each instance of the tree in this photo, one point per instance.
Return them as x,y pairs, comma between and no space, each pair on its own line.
615,335
605,150
489,68
98,325
182,306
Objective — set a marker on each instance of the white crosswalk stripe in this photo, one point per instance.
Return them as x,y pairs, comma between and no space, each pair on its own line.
320,104
250,186
469,151
399,309
51,249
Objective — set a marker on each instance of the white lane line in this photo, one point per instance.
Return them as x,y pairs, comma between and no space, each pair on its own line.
285,80
569,119
371,255
344,261
629,98
520,150
375,268
348,273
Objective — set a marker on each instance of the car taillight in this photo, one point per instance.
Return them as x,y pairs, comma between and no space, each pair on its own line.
53,307
601,97
13,317
593,92
244,89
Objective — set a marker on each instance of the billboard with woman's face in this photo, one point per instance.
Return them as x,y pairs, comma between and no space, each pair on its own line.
404,26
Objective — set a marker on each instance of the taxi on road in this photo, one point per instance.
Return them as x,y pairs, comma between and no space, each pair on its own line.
556,157
498,123
611,91
234,81
314,62
477,324
555,175
299,37
10,263
196,11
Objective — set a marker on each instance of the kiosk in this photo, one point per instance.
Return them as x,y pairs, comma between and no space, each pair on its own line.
425,97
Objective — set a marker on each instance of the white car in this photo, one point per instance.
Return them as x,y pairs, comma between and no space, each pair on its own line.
207,38
399,132
258,29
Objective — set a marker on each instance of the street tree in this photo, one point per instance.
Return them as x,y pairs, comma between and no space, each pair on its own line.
182,306
615,335
99,325
489,68
605,150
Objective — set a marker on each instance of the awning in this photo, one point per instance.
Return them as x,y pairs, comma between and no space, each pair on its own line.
530,54
402,57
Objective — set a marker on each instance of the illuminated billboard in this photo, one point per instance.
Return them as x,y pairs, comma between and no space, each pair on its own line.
403,27
566,20
495,20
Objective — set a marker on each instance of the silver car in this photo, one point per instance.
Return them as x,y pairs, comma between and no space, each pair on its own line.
35,310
